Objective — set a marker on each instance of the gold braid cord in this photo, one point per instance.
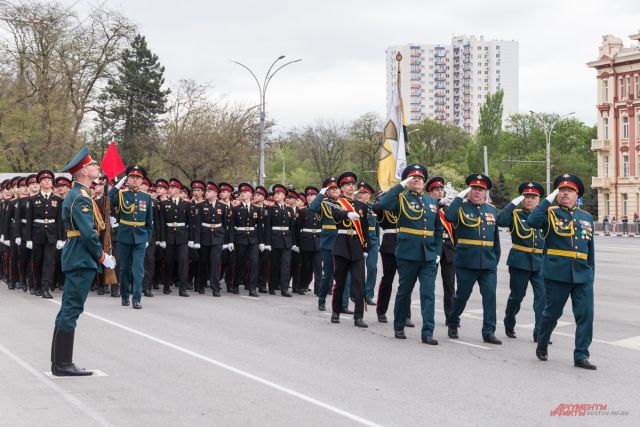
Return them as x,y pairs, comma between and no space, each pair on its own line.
404,206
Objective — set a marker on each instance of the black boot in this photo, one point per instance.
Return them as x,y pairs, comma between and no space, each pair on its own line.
62,355
46,294
183,292
100,290
115,293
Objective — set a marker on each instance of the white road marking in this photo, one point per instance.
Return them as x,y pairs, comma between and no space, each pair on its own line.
469,344
240,372
633,343
251,298
57,389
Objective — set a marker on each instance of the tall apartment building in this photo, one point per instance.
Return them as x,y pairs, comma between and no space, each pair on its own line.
618,142
450,82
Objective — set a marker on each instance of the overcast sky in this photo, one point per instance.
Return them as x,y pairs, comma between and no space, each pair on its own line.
342,45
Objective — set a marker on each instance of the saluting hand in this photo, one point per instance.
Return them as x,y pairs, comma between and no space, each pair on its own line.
463,193
517,200
551,197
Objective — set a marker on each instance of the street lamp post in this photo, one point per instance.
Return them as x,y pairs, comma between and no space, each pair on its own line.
548,122
262,88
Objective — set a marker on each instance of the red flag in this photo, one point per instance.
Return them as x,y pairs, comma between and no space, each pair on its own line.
112,163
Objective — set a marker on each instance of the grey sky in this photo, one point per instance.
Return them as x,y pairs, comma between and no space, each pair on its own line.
342,44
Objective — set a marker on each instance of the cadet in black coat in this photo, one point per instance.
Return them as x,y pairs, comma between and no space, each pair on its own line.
279,239
157,235
259,197
308,229
24,253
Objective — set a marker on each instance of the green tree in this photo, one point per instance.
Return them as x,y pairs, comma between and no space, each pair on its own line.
500,192
490,123
135,100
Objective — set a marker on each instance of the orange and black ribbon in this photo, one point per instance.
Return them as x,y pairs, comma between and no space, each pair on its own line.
347,206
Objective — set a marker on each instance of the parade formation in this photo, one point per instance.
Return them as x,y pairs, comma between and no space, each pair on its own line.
129,237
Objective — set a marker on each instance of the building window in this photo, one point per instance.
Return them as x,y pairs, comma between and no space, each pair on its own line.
621,86
637,87
605,128
629,86
625,202
605,84
606,166
606,204
625,127
625,165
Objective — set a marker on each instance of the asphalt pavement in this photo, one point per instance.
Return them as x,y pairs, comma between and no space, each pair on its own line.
274,361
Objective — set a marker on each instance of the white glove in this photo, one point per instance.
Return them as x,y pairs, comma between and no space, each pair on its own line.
437,259
2,238
109,262
163,245
190,244
267,247
517,200
196,246
113,221
29,244
324,190
18,241
230,247
261,247
406,181
551,197
121,182
463,192
60,244
6,242
365,254
353,216
295,249
146,245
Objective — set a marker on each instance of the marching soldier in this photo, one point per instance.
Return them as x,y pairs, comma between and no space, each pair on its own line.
24,253
259,197
44,232
4,203
418,248
350,247
569,265
228,257
308,230
81,259
525,257
435,187
197,190
364,195
10,235
162,188
244,238
156,236
175,217
292,200
279,240
62,186
477,254
330,192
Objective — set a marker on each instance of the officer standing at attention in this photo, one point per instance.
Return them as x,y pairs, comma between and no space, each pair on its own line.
365,192
245,237
569,265
418,248
279,240
136,226
477,254
81,259
259,196
525,257
308,230
329,192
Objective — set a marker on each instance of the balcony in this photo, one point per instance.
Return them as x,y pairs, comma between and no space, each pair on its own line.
599,182
600,145
440,110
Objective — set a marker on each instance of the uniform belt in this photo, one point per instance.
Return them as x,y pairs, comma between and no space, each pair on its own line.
328,227
389,231
475,242
133,223
428,233
347,232
44,221
76,233
214,225
372,228
527,249
175,224
311,230
568,254
24,221
279,228
244,228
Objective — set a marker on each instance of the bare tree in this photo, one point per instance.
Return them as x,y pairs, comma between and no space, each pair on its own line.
326,144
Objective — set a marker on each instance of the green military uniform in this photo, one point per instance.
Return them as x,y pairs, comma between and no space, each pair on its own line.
418,247
477,256
525,260
569,267
135,214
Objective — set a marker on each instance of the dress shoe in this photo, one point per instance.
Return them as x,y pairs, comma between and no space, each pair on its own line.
93,287
300,292
46,294
125,302
429,340
272,292
285,294
491,339
38,292
322,306
148,293
262,290
335,317
253,294
166,290
346,310
236,291
12,286
453,332
189,287
409,324
100,290
400,335
584,364
201,291
32,291
541,353
183,293
137,305
216,293
382,318
25,288
369,301
115,292
360,323
511,333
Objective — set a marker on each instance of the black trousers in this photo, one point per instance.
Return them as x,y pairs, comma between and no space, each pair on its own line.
227,268
194,259
295,272
159,265
209,267
448,273
149,266
44,264
263,271
280,261
389,268
177,254
344,266
25,265
310,268
246,261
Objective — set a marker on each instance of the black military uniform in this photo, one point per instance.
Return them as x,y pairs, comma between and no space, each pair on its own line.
279,238
211,233
24,253
157,235
44,234
264,257
160,262
388,222
58,275
245,236
11,231
292,198
308,229
175,217
194,253
228,257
